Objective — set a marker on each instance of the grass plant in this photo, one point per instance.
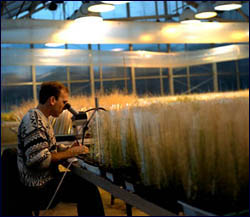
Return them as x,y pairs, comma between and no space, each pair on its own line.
195,144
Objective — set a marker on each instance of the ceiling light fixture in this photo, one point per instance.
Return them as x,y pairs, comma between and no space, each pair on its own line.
187,16
82,15
97,6
205,11
227,5
90,18
52,6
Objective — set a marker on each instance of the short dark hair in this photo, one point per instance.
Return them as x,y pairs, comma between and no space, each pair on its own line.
50,88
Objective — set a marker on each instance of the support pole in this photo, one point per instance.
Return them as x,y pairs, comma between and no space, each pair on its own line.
171,81
92,77
131,49
215,77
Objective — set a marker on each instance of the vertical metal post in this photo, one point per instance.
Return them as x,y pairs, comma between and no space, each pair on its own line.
157,20
97,130
170,70
188,71
215,77
33,70
33,74
92,77
133,74
100,73
66,47
68,79
171,81
131,49
101,80
159,49
237,74
165,3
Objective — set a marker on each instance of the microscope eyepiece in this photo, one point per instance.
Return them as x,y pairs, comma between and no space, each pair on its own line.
70,109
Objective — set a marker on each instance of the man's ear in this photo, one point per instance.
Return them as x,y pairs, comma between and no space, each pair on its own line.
52,100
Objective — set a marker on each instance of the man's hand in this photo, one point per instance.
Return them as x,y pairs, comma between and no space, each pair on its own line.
76,143
76,150
70,152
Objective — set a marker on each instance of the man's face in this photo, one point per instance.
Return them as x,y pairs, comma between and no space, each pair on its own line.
59,104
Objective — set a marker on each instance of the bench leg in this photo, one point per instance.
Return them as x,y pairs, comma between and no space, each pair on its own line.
112,202
129,209
36,212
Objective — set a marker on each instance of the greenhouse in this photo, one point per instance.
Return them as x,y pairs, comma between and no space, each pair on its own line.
158,92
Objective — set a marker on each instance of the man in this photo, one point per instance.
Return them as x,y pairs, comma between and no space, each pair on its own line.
39,155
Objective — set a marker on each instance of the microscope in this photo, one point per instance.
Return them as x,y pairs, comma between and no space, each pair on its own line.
79,122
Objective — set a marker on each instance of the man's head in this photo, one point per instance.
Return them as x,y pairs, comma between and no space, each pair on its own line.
53,95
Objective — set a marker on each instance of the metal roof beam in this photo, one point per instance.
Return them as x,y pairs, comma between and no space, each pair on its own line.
143,17
45,4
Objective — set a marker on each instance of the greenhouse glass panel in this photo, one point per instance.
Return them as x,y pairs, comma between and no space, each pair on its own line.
227,82
113,86
142,8
97,88
148,87
244,73
244,81
114,72
180,71
166,86
15,45
51,73
164,71
78,46
147,72
15,74
146,47
244,66
177,47
114,47
206,68
97,73
180,85
161,7
192,47
201,84
61,46
15,96
79,73
70,7
226,67
80,89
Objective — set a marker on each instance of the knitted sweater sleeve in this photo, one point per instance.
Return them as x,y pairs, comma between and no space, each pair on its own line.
37,141
37,152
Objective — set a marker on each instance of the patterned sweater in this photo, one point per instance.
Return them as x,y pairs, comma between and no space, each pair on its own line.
36,142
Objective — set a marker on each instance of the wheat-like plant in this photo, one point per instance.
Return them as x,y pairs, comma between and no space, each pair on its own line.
196,144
